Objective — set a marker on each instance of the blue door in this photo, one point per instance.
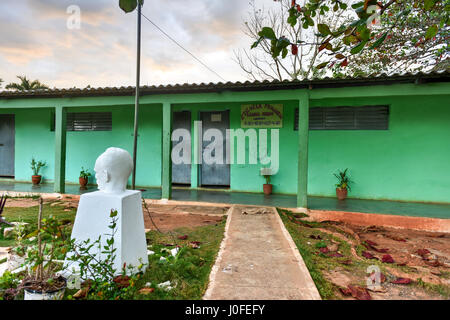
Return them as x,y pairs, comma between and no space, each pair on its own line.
7,145
181,173
215,174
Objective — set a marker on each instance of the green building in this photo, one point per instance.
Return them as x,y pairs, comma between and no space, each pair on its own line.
392,133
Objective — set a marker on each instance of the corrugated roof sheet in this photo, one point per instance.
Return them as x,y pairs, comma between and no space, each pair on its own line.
441,76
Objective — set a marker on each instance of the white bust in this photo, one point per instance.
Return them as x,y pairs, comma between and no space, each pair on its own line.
112,169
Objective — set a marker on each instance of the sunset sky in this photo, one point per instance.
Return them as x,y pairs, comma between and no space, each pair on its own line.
35,41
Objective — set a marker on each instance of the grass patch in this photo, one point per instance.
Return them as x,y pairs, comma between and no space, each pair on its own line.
30,215
189,274
318,263
434,288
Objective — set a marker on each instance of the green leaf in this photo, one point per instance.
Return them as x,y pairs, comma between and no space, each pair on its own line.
357,5
128,5
292,20
428,4
431,32
357,49
379,41
267,33
323,29
284,53
322,65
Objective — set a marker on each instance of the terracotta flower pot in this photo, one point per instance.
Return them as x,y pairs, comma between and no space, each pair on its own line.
341,193
83,182
36,179
267,188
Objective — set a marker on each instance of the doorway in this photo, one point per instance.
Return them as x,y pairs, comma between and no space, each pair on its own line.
7,135
215,174
181,173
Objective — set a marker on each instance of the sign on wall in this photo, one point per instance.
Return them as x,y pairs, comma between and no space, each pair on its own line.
262,116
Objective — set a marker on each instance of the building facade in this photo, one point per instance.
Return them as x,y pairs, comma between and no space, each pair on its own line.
392,133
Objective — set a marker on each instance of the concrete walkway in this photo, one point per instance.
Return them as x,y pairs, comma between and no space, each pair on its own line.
258,260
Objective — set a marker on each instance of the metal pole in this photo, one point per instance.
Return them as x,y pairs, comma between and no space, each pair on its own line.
136,106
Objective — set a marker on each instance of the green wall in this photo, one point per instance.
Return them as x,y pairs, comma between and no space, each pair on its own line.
34,138
410,161
83,148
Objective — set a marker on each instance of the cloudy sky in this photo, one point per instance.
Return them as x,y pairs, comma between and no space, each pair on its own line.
35,41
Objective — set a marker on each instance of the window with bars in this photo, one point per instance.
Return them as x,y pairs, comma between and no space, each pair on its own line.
87,121
347,118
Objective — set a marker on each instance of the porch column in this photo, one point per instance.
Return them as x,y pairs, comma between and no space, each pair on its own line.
303,132
60,149
166,178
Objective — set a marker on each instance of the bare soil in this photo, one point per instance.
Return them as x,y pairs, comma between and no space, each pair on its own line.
417,255
21,202
165,217
169,217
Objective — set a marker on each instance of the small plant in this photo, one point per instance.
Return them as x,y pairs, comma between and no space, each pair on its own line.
8,285
267,177
42,268
85,174
343,180
36,166
19,234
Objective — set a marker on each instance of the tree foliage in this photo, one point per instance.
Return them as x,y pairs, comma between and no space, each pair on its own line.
26,85
407,48
260,64
363,31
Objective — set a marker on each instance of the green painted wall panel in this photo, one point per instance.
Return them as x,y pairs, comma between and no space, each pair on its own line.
33,139
410,161
83,148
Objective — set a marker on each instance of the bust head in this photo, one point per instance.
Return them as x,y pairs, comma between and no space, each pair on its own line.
112,169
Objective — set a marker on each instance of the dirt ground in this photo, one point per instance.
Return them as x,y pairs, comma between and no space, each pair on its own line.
21,202
416,255
170,217
165,217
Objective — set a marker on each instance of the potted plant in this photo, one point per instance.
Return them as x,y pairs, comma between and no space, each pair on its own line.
342,185
42,281
36,167
84,178
267,187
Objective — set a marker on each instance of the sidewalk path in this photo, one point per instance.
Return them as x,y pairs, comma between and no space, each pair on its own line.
258,260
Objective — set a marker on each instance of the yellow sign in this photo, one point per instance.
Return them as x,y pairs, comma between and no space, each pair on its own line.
262,116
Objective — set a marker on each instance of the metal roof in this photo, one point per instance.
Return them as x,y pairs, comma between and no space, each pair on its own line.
382,79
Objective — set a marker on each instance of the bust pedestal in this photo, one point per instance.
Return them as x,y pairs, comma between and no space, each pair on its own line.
92,220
